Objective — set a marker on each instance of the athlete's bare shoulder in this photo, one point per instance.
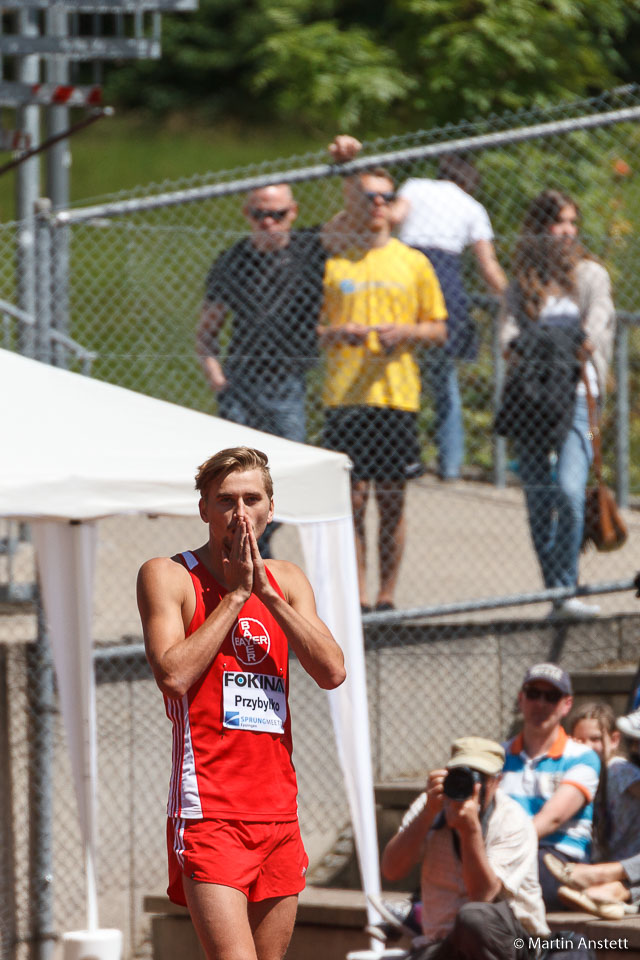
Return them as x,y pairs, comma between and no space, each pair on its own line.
162,567
163,575
290,578
284,568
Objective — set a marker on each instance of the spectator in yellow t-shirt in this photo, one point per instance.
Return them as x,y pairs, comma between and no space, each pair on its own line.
381,300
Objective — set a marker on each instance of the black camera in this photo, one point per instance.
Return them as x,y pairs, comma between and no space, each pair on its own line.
460,781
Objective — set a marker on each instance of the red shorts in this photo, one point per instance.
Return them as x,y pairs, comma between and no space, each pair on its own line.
260,859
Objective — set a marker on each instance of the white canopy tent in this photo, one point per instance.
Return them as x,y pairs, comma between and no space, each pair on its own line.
78,450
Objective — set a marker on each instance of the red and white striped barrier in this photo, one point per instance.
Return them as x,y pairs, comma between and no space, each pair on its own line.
49,94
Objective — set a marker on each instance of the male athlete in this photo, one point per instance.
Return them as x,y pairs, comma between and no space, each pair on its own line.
217,624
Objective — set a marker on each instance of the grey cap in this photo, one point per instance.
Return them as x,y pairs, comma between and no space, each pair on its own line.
550,673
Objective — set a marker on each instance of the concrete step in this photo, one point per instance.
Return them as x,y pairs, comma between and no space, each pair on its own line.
339,867
331,922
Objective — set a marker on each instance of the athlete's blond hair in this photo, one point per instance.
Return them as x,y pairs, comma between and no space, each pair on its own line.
233,460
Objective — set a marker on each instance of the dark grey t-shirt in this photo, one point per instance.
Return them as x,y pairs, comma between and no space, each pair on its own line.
275,297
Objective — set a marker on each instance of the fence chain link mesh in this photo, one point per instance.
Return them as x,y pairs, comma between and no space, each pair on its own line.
127,309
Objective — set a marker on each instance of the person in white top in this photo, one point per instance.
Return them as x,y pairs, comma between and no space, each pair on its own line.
478,853
441,218
557,282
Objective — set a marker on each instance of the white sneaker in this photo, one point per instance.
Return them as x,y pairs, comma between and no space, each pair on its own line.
398,914
630,725
574,609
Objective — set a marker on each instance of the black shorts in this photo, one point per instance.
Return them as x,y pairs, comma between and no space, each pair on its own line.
381,443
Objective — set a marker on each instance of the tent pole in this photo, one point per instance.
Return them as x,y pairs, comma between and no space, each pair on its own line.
41,718
92,895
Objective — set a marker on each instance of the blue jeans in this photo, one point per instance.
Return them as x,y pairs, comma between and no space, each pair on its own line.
555,499
439,369
275,404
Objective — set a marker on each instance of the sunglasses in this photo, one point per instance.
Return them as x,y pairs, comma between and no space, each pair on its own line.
550,696
387,195
261,215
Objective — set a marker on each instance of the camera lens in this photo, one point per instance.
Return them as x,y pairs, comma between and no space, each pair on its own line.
459,782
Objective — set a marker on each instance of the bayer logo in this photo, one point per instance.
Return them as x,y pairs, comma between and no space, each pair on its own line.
251,642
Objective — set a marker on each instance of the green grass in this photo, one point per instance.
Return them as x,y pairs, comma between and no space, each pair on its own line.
123,152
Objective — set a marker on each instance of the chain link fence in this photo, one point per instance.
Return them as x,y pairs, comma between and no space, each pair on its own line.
120,293
141,268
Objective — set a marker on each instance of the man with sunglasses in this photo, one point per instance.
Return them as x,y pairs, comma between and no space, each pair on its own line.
271,283
552,776
382,300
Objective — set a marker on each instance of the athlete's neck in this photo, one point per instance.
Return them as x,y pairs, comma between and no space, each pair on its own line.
210,556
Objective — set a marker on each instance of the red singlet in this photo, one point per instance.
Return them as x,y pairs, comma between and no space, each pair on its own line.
231,731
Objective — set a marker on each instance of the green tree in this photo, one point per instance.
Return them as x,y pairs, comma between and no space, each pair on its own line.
478,56
376,67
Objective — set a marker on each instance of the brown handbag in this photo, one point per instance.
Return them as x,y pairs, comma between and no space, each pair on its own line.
603,524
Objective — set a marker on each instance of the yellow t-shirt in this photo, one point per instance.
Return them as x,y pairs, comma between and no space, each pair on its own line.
393,284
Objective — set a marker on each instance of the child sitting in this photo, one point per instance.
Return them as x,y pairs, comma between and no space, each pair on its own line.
613,879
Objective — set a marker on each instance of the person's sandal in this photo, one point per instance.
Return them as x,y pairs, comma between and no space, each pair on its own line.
578,898
560,870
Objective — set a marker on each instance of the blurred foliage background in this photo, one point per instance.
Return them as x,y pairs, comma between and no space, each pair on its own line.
245,80
379,67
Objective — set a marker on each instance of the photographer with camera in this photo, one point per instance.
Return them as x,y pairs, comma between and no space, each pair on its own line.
478,852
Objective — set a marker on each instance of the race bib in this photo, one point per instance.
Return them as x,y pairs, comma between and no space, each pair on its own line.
253,701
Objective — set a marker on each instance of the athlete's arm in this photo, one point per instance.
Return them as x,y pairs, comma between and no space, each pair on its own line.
166,602
308,636
212,317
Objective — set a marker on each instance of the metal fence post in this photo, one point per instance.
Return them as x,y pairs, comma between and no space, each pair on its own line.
622,413
39,663
41,719
59,290
43,280
27,186
8,912
58,167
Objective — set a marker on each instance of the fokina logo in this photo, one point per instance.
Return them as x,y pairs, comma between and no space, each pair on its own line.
251,642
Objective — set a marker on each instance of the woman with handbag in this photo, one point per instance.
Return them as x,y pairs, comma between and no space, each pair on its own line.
562,293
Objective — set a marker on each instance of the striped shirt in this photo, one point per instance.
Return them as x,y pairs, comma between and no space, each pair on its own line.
533,781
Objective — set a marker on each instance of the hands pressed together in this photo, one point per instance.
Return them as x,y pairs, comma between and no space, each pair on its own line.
243,567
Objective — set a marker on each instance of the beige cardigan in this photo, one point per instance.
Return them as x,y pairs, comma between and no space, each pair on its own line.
598,317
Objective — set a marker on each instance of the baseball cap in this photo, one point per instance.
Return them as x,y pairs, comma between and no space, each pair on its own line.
487,756
550,673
